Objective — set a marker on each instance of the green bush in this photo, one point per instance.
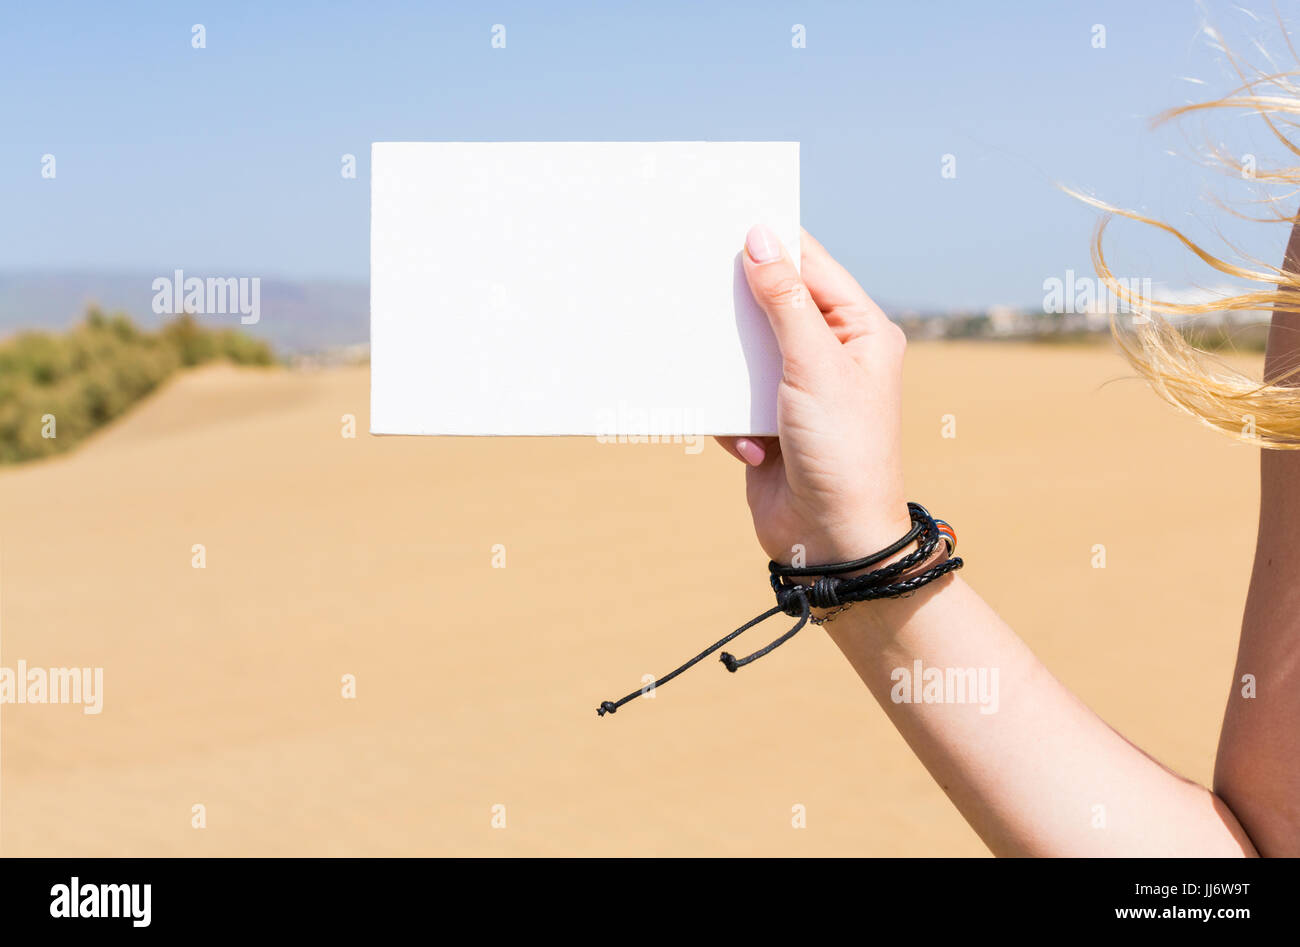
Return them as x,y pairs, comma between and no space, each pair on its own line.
93,373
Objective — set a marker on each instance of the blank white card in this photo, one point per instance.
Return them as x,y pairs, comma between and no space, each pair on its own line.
589,288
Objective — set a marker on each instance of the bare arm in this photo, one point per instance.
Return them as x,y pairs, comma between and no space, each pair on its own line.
1258,767
1042,774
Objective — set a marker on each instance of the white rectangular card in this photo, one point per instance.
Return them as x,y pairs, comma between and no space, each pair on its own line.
573,287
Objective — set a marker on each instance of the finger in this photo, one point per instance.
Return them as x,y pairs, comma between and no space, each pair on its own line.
800,330
729,445
745,449
844,304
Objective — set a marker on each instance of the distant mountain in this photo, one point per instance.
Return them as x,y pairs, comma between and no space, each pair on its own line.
295,317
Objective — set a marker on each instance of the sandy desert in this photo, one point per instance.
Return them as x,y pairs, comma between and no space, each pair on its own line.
473,728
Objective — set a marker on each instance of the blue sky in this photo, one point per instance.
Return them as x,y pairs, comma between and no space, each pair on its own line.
227,159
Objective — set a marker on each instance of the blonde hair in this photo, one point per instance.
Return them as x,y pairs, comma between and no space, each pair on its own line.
1263,413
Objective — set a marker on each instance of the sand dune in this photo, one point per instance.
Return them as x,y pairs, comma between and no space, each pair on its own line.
477,686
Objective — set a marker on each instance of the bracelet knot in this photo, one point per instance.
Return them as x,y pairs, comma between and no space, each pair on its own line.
789,598
823,592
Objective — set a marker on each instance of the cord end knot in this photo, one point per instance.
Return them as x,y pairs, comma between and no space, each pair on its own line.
729,661
606,707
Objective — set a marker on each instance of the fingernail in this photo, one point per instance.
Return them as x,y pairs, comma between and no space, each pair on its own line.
751,451
762,245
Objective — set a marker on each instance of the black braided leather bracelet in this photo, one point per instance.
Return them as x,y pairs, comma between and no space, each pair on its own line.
832,590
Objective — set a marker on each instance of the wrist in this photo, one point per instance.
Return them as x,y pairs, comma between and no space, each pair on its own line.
855,538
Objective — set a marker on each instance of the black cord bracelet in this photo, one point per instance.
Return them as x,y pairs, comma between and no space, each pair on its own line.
833,590
918,525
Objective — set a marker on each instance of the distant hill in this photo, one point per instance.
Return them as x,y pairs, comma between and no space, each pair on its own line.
296,317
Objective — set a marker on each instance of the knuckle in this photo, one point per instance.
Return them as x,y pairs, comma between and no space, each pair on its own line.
786,291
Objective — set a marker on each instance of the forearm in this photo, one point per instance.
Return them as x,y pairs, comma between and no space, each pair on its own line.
1033,770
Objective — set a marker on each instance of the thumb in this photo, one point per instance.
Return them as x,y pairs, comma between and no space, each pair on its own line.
800,329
